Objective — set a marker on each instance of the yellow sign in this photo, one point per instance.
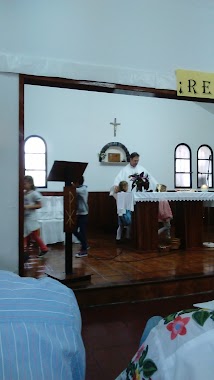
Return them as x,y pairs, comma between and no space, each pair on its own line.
195,84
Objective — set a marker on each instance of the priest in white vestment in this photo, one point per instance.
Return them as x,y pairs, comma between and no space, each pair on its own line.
132,168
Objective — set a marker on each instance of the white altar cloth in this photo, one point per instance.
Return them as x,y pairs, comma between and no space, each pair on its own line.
51,220
174,196
127,200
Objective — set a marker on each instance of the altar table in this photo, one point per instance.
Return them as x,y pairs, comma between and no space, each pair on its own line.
188,217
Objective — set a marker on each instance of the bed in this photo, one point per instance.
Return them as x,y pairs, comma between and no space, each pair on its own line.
179,347
40,330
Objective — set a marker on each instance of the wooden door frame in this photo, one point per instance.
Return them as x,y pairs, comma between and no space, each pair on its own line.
75,85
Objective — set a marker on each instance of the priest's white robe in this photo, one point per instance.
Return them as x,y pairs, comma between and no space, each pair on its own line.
128,170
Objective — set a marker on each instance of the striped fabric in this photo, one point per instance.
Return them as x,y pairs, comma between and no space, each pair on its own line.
40,330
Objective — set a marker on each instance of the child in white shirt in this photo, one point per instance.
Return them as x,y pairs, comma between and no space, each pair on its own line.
124,221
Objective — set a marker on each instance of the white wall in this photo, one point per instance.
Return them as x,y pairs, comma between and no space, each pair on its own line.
135,42
9,171
76,125
140,42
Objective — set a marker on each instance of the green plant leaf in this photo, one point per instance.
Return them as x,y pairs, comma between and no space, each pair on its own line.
169,318
149,368
188,311
143,356
201,316
131,368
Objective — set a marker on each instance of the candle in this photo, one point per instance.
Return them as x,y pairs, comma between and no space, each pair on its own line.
204,187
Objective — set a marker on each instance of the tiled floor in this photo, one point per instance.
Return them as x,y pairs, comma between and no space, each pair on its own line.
107,263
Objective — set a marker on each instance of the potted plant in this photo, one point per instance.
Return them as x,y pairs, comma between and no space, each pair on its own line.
140,181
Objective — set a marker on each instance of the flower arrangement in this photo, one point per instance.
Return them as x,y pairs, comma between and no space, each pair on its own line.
102,156
140,181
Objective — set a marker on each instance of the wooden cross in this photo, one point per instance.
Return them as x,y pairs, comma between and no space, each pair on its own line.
115,125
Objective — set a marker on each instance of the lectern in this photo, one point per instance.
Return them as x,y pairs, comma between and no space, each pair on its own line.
68,172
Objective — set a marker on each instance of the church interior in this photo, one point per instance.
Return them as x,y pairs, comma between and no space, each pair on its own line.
94,91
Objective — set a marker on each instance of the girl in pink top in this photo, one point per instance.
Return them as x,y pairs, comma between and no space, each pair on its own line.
164,214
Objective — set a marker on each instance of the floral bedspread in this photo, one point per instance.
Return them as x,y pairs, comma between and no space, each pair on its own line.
180,347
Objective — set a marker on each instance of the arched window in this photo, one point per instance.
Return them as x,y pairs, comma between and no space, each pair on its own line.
36,160
205,166
183,166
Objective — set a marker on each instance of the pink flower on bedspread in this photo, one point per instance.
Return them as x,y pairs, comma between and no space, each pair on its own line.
177,327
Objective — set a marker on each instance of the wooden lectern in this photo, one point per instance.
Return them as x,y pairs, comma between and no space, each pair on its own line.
68,172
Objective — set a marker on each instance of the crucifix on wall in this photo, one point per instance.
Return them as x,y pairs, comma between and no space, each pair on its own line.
115,125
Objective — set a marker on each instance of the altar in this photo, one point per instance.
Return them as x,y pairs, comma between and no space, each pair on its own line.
188,218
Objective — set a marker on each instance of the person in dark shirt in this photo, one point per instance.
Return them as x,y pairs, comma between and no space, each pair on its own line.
82,217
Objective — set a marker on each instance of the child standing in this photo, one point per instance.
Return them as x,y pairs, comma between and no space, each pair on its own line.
164,214
32,202
124,221
82,217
